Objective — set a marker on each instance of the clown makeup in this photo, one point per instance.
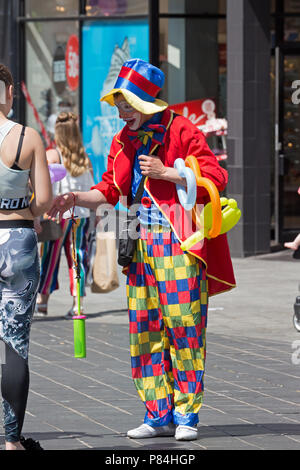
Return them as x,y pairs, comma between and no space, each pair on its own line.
133,118
124,107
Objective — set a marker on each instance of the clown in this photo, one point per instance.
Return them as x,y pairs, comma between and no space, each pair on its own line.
167,288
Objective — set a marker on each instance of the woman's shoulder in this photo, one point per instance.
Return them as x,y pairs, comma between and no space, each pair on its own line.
31,137
52,156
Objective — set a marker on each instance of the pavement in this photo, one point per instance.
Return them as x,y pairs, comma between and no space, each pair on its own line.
252,386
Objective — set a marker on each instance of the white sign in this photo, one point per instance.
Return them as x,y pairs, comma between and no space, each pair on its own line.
174,56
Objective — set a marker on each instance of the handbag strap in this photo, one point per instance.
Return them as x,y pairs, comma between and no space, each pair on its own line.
139,193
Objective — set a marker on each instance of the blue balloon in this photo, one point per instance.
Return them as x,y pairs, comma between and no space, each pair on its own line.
187,197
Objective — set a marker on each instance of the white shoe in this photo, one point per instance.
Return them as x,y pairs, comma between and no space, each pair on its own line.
40,310
144,431
186,433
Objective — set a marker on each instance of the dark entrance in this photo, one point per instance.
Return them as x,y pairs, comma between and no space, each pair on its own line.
285,72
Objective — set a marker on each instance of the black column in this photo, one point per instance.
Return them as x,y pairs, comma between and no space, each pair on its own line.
10,50
154,31
249,138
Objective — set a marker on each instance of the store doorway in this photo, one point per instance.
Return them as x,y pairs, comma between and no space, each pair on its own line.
287,144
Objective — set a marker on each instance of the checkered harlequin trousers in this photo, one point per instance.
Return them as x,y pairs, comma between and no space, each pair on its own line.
167,297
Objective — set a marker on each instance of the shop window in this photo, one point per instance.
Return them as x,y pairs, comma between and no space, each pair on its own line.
292,6
199,47
116,7
118,42
292,29
273,6
38,8
52,71
192,6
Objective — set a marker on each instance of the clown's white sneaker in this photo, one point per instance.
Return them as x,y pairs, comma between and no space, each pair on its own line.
145,431
186,433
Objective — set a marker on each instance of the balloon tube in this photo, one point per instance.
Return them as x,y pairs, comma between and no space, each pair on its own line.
78,320
79,336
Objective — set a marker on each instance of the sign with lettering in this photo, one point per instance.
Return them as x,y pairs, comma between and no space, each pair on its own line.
197,111
72,62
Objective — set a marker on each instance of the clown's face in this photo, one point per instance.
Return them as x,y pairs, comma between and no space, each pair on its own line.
133,118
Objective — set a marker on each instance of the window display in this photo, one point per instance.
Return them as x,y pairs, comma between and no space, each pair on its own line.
36,8
52,78
119,41
116,7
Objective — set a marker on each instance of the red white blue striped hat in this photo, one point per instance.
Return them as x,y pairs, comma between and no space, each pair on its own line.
139,82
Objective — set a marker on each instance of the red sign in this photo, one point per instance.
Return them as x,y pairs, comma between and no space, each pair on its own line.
202,113
72,62
197,111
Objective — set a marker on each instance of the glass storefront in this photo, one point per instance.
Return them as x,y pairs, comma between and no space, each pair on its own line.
193,54
291,145
119,41
285,119
52,70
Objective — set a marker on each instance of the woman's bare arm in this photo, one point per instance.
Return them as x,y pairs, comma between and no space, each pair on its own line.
39,176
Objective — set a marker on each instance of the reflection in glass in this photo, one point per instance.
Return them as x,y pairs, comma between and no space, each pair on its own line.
116,7
53,86
291,6
187,44
292,29
36,8
192,6
291,145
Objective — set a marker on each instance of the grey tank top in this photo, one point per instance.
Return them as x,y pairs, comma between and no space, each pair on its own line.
14,189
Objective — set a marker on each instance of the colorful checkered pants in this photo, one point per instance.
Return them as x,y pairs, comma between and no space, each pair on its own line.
167,296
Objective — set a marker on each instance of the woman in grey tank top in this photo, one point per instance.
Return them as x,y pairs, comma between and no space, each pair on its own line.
23,168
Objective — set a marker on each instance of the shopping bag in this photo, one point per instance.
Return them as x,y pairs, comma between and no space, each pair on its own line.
105,268
51,230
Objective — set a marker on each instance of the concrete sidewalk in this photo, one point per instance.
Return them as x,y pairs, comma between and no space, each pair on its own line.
252,374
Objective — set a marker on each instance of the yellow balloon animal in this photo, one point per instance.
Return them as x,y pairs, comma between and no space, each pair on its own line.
213,220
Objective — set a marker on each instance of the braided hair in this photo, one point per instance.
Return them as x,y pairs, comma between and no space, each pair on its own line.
69,141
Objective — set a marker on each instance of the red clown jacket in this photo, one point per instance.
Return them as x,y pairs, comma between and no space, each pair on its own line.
182,139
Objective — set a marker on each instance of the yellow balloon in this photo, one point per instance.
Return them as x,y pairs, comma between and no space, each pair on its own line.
215,228
230,215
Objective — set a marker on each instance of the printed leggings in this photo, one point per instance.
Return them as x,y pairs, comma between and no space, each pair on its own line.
167,297
19,280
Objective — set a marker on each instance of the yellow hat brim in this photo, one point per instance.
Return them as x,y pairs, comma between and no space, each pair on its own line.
144,107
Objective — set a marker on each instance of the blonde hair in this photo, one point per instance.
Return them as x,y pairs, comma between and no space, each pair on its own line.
69,141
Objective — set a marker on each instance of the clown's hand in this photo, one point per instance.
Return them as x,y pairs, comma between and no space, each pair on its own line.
60,205
152,166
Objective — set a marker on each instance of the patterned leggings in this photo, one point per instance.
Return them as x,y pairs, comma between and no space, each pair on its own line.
167,296
19,280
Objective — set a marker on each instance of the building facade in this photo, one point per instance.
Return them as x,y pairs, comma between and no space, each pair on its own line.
241,55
